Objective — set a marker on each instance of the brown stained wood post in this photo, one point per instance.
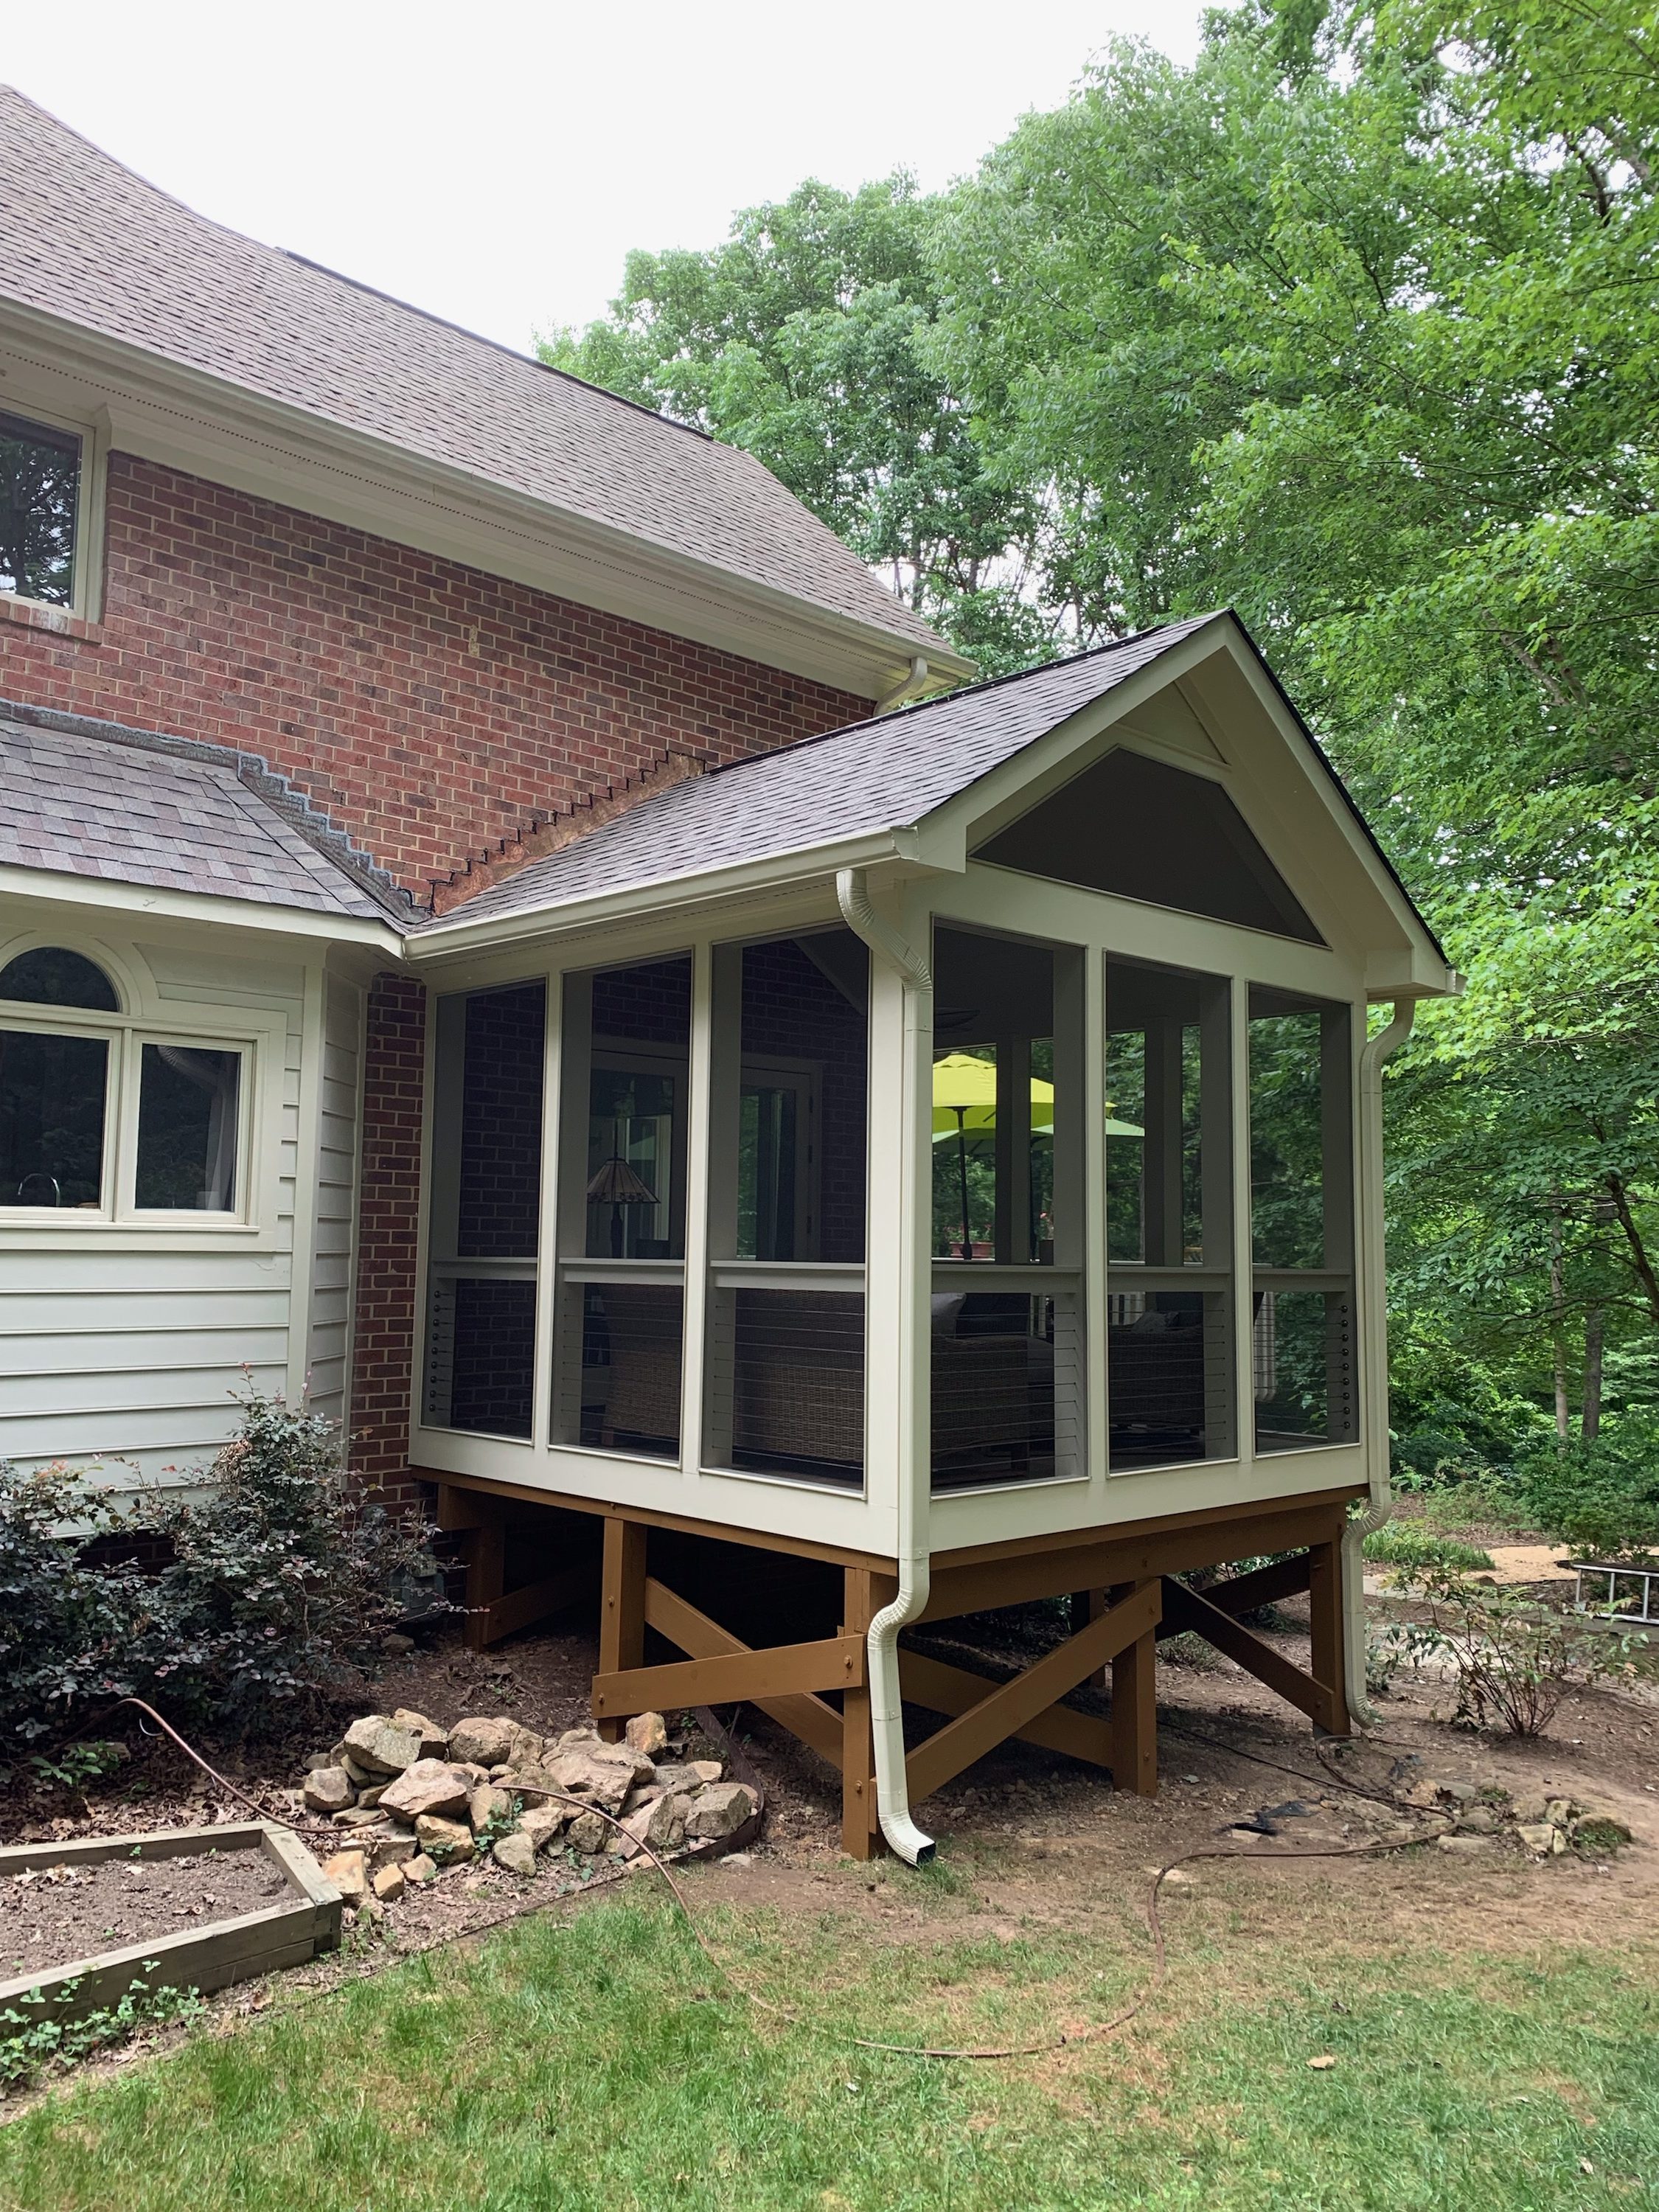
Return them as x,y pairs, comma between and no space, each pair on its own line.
1325,1614
622,1607
864,1594
1134,1708
486,1569
1086,1606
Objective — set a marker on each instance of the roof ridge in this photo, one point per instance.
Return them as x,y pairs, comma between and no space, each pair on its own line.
973,691
256,776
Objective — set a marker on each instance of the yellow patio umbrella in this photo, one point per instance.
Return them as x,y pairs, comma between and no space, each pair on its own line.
965,1105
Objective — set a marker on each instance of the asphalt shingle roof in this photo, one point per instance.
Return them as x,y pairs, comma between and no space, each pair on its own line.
84,238
881,774
134,812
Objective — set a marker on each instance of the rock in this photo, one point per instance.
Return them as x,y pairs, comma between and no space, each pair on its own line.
648,1732
488,1804
435,1741
381,1747
1541,1837
542,1823
419,1868
1424,1796
1529,1811
388,1883
1479,1820
485,1743
363,1776
392,1846
1460,1793
449,1842
396,1646
368,1911
355,1817
1465,1845
706,1770
1559,1810
587,1832
661,1824
328,1790
720,1810
371,1798
348,1872
430,1786
646,1793
516,1853
601,1772
318,1760
685,1779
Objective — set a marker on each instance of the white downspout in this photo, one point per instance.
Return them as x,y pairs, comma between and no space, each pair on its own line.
913,682
1374,1351
915,1475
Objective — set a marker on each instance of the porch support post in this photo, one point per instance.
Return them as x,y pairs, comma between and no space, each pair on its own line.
1325,1609
1088,1605
622,1607
864,1594
1134,1706
484,1521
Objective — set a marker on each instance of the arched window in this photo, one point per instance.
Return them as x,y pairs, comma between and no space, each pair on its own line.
52,975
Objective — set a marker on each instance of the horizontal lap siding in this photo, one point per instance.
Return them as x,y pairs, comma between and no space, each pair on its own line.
136,1358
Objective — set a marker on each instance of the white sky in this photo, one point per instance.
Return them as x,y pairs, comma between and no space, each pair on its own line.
495,162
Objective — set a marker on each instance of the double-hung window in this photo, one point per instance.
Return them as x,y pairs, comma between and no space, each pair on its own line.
99,1117
42,510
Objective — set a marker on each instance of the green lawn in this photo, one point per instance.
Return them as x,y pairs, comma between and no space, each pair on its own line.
596,2063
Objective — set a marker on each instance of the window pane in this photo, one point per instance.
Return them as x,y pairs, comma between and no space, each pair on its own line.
481,1354
1168,1377
802,1098
1303,1366
636,1111
1287,1190
52,1118
39,479
52,975
1006,1386
499,1200
999,1107
797,1368
187,1129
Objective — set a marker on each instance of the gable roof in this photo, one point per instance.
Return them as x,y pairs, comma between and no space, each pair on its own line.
87,241
884,774
875,776
84,798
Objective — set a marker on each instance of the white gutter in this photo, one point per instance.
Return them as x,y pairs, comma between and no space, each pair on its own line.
1374,1351
915,1474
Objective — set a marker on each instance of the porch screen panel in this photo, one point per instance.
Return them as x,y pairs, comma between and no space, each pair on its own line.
1169,1216
1006,1353
1304,1368
784,1351
485,1209
619,1332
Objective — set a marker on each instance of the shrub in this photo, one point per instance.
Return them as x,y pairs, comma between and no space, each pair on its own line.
277,1583
1511,1658
1407,1544
1603,1497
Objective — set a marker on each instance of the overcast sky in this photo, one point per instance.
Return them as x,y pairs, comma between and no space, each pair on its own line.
494,162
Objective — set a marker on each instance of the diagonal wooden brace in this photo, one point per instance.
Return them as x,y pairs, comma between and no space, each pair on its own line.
953,1690
809,1717
1321,1701
1005,1710
1244,1593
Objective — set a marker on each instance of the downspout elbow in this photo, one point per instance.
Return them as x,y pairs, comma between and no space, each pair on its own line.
903,1837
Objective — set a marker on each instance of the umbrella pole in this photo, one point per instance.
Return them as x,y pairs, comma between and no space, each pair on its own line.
960,1113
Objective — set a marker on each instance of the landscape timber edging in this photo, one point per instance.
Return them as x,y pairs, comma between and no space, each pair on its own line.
202,1958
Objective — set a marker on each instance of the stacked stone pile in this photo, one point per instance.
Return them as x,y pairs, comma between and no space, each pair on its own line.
413,1798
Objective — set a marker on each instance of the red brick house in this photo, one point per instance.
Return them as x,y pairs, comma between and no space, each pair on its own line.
475,944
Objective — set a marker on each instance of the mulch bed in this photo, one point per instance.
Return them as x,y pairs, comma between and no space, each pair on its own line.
53,1917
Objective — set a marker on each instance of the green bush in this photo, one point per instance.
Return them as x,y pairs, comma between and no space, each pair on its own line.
1601,1498
1407,1544
278,1582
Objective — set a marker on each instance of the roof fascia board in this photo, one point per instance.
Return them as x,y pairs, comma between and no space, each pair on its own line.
43,886
1425,956
775,871
165,411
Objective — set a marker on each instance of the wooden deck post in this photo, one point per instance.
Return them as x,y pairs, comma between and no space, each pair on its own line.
1134,1707
622,1607
1086,1606
1325,1615
486,1570
864,1594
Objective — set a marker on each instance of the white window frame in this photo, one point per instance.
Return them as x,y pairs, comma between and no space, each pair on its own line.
257,1037
87,574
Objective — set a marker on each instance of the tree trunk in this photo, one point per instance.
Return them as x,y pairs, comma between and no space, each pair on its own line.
1559,1324
1595,1332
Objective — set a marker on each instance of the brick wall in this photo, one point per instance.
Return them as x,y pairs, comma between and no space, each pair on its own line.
432,711
388,1220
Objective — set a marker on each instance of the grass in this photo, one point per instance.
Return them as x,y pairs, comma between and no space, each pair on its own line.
597,2063
1408,1544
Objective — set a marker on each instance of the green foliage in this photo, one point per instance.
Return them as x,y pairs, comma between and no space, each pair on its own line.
1603,1497
278,1580
1511,1659
33,2040
76,1765
1408,1545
